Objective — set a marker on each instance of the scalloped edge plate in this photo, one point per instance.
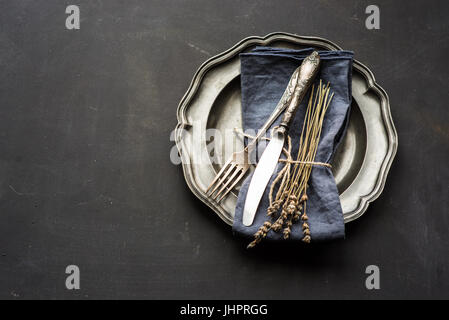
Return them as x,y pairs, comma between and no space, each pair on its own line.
220,70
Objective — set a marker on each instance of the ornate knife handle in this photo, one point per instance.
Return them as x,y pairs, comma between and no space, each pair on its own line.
307,73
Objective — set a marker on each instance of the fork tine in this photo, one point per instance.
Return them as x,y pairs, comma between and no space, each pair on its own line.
227,183
219,174
233,185
222,179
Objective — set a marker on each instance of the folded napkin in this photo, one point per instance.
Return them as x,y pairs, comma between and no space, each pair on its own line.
265,73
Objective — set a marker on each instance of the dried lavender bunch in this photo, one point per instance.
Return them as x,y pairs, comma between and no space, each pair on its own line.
291,197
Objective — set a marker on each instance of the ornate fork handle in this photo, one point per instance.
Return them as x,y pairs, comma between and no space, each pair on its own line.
307,73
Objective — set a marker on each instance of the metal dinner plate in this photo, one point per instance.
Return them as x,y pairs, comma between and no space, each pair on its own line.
213,101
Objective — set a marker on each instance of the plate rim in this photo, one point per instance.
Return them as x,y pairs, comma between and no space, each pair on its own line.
364,200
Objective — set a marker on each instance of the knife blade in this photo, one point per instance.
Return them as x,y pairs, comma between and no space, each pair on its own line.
270,156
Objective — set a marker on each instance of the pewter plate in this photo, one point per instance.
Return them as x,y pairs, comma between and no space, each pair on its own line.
213,101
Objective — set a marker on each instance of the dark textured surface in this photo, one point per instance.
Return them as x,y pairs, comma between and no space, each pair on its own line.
85,176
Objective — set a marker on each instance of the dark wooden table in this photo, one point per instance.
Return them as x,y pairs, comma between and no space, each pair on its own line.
86,177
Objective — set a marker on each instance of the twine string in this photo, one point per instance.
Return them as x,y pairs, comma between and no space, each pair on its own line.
289,159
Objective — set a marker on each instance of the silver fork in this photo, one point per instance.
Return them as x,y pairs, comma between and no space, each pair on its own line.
231,173
238,164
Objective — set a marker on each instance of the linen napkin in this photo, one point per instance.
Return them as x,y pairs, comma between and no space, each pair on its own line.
265,73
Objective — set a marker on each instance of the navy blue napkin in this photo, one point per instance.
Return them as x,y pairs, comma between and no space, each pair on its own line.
265,73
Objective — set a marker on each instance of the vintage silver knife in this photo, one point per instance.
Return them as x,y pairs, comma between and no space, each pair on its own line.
267,163
239,163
